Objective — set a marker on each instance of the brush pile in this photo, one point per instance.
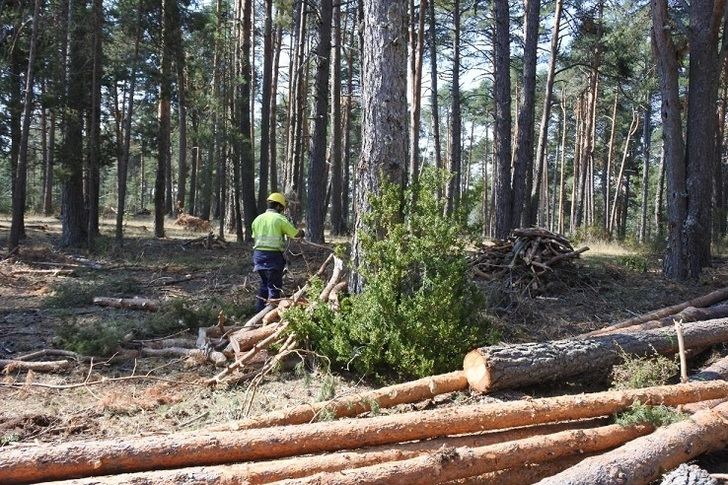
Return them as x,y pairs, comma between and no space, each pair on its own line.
524,260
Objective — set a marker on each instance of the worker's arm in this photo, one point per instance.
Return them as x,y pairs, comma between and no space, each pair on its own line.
289,229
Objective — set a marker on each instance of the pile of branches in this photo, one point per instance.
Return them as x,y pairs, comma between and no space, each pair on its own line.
211,241
191,222
524,260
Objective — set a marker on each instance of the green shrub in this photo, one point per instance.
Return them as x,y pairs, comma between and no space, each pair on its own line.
638,372
639,413
72,293
634,262
96,338
418,313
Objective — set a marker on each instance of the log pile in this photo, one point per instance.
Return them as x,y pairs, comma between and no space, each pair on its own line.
191,222
500,442
524,260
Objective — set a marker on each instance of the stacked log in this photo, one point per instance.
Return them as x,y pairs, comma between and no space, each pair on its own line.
527,256
223,453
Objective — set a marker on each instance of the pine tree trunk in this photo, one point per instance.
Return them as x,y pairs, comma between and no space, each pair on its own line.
317,172
523,168
452,192
535,215
73,215
165,95
502,59
94,130
434,102
384,105
17,223
247,170
181,112
418,48
273,150
265,115
646,147
337,223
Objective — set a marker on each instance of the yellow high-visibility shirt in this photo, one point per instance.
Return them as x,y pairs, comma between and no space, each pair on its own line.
270,229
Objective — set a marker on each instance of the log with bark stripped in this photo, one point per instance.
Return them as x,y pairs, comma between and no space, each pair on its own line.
645,459
10,365
246,338
108,457
711,298
302,466
509,366
355,404
456,463
128,303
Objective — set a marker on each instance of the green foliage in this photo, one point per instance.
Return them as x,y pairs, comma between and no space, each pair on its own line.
639,413
73,293
638,372
634,262
97,338
418,312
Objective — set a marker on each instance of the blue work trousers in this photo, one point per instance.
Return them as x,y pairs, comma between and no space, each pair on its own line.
269,265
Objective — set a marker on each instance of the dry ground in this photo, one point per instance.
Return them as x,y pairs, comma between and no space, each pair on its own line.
35,308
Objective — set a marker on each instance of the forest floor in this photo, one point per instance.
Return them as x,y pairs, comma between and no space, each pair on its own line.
37,310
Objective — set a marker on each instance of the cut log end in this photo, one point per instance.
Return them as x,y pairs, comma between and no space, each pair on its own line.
476,371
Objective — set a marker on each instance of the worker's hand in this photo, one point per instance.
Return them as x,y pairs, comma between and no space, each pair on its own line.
300,234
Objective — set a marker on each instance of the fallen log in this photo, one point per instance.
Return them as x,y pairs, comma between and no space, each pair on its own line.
217,358
49,272
355,404
108,457
10,365
128,303
711,298
645,459
716,371
526,473
303,466
455,463
690,314
246,338
509,366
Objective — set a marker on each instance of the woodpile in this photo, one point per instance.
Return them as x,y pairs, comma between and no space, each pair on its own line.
192,222
211,241
525,260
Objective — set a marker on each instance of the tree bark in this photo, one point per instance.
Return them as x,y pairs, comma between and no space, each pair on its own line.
337,223
418,53
94,458
73,214
265,119
645,459
384,105
452,192
165,96
523,168
646,148
317,173
94,130
19,185
180,63
509,366
247,170
502,95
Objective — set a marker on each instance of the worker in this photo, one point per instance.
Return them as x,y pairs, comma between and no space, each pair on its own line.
269,231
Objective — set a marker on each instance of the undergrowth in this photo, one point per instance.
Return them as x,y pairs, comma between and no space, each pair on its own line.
418,313
657,416
637,372
72,293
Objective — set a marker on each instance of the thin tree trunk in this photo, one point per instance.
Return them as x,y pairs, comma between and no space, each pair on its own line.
164,119
618,183
337,225
502,187
562,177
418,48
273,150
123,163
646,146
607,178
537,202
247,170
17,223
659,194
181,112
455,149
434,104
94,130
265,115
